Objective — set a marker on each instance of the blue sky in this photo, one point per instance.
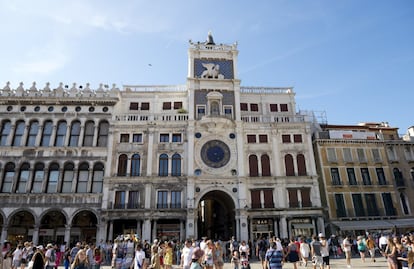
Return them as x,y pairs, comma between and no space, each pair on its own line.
352,59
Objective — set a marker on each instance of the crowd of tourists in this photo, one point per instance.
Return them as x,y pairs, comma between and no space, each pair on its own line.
127,252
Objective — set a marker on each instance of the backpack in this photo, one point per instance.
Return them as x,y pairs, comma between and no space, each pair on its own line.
52,256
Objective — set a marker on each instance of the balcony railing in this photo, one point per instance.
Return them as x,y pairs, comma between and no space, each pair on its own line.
125,206
169,205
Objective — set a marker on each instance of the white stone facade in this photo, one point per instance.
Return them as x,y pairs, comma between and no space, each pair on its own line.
209,158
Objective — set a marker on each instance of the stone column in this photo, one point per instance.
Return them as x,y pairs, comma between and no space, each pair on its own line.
154,229
277,171
67,234
111,230
146,230
276,227
283,227
35,238
3,233
150,150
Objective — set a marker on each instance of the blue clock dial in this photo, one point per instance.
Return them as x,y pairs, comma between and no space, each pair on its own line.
215,153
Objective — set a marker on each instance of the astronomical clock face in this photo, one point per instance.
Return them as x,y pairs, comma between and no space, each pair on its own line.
215,153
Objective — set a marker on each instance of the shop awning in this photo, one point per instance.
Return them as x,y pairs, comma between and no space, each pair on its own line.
402,223
363,225
302,225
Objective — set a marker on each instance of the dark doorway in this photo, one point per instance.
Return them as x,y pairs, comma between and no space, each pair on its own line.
216,216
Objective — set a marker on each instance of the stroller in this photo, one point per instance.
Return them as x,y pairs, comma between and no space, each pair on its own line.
244,261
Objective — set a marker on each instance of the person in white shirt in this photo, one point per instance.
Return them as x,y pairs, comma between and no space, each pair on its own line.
17,257
50,256
139,257
186,255
324,250
383,241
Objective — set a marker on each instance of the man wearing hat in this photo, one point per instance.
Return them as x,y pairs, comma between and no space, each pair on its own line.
50,256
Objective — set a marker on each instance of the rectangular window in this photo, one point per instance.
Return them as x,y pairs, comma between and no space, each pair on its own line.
255,195
251,138
358,206
361,155
145,106
391,154
262,138
347,155
133,106
228,112
376,156
243,107
133,199
306,201
273,107
340,205
268,199
254,107
124,138
331,155
388,204
293,198
166,106
119,200
286,138
137,138
162,199
178,105
371,202
297,138
381,176
176,138
336,180
175,199
201,111
366,179
164,137
283,107
351,176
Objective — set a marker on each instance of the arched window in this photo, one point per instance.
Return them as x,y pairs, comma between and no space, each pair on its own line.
83,177
253,166
23,178
89,134
68,175
5,132
74,134
290,170
98,177
122,165
53,178
215,109
33,130
8,177
18,133
38,177
103,134
135,165
163,165
301,165
176,165
265,165
60,134
47,133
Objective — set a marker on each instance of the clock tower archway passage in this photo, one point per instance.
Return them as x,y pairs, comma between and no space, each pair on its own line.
216,216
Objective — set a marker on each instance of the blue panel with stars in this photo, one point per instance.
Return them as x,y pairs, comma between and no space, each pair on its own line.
225,68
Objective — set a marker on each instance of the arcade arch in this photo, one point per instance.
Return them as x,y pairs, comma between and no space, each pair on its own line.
216,216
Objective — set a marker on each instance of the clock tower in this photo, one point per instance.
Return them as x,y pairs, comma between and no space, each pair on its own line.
215,159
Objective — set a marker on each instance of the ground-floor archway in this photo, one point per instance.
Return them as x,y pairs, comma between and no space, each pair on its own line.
216,216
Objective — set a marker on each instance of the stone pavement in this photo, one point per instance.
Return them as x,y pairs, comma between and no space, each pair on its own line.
335,263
